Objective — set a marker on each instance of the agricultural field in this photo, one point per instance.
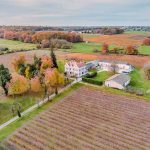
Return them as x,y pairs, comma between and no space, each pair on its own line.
96,120
137,61
16,45
118,40
121,40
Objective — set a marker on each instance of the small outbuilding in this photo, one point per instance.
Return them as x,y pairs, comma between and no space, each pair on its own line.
118,81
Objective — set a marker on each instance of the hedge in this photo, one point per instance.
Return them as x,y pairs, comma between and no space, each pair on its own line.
91,75
92,81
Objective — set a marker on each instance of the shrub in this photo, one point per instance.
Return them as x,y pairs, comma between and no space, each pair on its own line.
45,44
4,49
91,75
95,50
146,42
92,81
131,50
60,44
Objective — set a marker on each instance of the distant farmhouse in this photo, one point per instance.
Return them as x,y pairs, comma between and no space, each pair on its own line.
118,81
75,69
118,66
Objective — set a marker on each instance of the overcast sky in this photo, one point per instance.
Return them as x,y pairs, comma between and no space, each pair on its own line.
74,12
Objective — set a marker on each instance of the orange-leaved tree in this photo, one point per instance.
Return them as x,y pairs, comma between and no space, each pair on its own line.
35,84
18,84
146,42
105,48
19,64
54,79
131,50
46,63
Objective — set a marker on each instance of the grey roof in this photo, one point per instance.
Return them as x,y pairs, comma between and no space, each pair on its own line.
117,62
120,78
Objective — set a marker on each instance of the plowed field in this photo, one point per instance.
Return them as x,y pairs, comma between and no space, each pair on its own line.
88,119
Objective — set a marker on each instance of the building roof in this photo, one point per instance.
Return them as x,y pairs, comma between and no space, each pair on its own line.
113,61
119,78
73,63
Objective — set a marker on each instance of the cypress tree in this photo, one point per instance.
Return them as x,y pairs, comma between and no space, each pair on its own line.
53,57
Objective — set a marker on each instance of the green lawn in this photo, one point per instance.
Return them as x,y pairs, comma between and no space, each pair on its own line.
86,48
16,45
102,76
138,81
25,102
4,133
144,50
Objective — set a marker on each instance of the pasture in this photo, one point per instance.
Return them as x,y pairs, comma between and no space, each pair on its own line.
95,120
16,45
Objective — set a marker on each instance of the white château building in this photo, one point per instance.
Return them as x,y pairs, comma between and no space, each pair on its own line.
75,69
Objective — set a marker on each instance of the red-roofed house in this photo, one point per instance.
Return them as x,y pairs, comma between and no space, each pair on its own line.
76,69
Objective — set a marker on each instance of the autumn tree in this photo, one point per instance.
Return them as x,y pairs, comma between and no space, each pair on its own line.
46,63
18,84
5,78
105,48
45,43
35,84
146,42
54,79
19,64
131,50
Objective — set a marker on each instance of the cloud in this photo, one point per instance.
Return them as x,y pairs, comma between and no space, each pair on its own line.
75,12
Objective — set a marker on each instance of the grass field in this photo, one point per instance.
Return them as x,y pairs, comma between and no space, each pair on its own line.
16,45
6,103
96,120
144,50
87,48
138,81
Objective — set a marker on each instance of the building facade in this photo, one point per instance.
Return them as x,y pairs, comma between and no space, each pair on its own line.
116,66
75,69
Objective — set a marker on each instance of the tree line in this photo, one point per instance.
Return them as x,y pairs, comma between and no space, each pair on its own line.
38,37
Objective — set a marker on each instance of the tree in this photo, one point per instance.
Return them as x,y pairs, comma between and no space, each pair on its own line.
114,67
45,43
131,50
54,79
18,84
53,57
35,84
105,48
19,64
146,42
46,63
5,78
147,71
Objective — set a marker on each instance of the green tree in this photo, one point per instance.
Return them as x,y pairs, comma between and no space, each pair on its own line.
5,78
53,57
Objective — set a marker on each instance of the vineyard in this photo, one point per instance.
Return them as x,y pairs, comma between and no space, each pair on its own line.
87,119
